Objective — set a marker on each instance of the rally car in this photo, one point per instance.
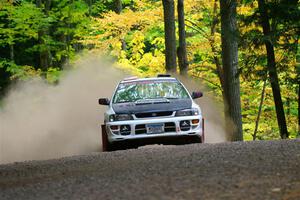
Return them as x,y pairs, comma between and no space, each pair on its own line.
156,110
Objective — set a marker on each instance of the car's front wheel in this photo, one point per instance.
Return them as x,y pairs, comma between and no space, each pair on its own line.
106,146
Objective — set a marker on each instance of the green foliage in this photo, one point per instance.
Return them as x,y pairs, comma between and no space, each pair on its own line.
18,72
135,39
100,7
53,75
284,18
28,33
20,23
26,72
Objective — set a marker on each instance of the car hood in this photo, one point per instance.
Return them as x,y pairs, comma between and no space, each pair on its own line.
132,108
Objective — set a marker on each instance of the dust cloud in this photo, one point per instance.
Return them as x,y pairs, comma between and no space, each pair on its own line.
212,111
39,121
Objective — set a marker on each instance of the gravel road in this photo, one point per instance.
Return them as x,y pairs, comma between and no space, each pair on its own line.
239,170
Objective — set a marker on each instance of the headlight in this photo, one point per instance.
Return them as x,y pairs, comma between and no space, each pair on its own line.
120,117
187,112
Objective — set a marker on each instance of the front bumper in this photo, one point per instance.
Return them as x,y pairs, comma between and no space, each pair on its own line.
173,128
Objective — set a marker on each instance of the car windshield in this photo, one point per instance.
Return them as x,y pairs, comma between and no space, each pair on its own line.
149,90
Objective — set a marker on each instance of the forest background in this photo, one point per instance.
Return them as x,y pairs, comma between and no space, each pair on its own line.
38,38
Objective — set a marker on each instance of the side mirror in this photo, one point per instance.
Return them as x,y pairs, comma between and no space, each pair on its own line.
103,101
196,95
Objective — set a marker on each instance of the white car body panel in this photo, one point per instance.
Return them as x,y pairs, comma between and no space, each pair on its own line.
137,124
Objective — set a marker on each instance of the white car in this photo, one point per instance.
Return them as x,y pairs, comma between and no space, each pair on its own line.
151,111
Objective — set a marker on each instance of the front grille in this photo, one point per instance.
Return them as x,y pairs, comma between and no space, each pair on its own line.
168,127
140,129
153,114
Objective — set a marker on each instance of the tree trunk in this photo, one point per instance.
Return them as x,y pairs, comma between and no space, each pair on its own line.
298,79
298,108
49,55
69,36
47,6
230,67
118,6
90,3
43,54
123,44
38,3
170,37
214,48
259,109
271,65
182,55
12,52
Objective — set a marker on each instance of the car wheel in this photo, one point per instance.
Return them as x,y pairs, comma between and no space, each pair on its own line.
106,146
203,134
197,140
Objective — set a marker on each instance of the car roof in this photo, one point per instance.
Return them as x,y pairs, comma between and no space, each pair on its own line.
135,79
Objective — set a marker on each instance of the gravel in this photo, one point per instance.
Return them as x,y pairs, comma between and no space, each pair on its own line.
237,170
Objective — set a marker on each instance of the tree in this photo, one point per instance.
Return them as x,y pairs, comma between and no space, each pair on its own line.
170,37
271,66
211,35
213,45
70,26
259,109
181,52
20,23
118,6
298,80
229,35
284,21
44,53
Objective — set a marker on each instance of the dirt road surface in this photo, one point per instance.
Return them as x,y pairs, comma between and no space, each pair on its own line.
240,170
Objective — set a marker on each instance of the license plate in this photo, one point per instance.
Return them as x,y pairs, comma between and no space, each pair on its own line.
155,128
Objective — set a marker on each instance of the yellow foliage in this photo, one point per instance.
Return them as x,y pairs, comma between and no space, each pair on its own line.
132,26
245,10
26,72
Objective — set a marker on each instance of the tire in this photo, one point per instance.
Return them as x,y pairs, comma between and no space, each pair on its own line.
198,140
106,146
203,134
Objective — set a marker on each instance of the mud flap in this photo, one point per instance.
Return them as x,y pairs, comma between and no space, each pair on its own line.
203,135
104,138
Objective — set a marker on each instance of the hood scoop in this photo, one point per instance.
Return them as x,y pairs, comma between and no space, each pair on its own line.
151,101
152,106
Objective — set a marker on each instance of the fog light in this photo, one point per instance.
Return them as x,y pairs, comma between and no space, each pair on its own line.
125,130
185,125
195,121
